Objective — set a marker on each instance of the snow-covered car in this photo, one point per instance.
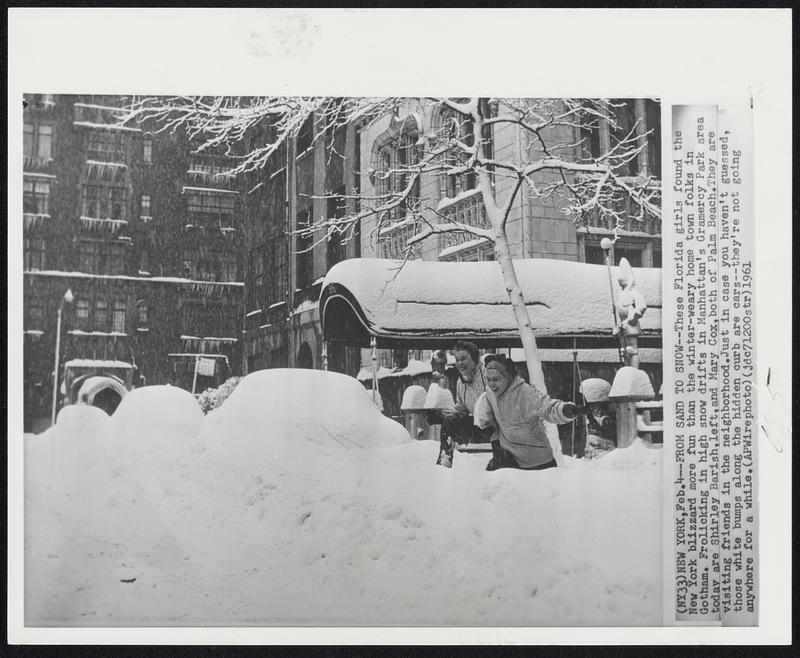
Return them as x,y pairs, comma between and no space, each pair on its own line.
97,382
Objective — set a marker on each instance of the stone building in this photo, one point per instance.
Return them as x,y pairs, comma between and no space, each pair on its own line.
313,177
323,175
145,235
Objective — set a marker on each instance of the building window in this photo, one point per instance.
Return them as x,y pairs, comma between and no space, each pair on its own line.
106,145
306,135
147,149
211,210
104,202
142,314
468,254
101,315
145,210
207,320
82,313
37,141
394,162
337,208
34,253
640,253
89,257
118,318
635,120
453,125
653,125
229,267
28,140
277,271
115,258
36,196
305,252
34,315
210,171
468,209
144,263
394,240
101,258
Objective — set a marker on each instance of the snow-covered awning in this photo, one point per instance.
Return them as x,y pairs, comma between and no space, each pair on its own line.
97,363
432,303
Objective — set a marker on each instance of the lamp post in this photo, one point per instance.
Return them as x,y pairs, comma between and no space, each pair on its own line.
68,299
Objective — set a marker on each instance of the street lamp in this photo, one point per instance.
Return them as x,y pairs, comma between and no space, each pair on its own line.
68,299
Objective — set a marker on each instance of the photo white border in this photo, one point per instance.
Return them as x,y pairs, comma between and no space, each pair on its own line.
726,57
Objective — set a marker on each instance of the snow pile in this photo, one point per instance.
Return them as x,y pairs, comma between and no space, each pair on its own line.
413,398
297,503
80,420
167,410
631,383
638,455
283,404
595,389
439,398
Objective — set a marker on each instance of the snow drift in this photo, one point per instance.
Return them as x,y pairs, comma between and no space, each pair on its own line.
297,502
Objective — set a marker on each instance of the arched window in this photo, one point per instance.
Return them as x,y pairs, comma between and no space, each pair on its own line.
395,155
453,127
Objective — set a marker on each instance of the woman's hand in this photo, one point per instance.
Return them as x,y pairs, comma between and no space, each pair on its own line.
572,410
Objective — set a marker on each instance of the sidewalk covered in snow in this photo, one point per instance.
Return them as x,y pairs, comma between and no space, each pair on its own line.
431,303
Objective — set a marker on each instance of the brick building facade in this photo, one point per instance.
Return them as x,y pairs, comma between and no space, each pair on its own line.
146,236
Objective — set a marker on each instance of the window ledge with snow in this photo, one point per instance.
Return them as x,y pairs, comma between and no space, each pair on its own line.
30,219
146,218
600,230
105,126
97,221
464,246
81,332
207,190
399,225
106,164
307,305
450,201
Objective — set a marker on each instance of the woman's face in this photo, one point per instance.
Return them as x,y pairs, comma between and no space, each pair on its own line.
464,364
496,381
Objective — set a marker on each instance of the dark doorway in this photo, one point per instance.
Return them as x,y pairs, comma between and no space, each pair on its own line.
304,357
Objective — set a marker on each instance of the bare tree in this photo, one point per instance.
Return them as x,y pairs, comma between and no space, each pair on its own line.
461,145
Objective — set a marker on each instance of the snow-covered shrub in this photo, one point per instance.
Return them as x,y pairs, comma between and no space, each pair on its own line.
212,398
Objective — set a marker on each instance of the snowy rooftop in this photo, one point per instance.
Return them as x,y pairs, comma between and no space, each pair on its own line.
432,303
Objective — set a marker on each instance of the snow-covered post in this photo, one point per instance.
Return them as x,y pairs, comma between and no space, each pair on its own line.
373,343
324,354
194,379
630,386
68,299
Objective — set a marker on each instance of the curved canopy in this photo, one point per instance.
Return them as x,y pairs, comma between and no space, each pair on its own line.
432,303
